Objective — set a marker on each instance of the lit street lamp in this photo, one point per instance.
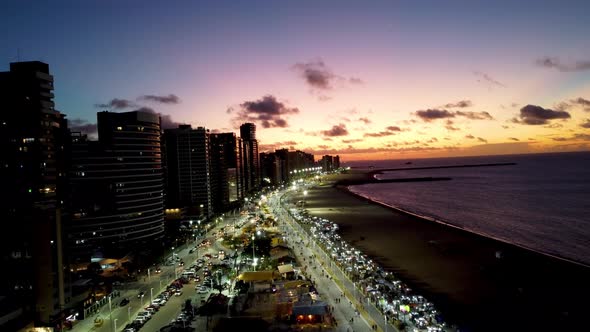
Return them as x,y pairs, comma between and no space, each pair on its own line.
253,254
151,295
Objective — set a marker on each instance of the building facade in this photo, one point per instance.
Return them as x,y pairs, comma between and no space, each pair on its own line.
117,196
188,180
32,135
250,158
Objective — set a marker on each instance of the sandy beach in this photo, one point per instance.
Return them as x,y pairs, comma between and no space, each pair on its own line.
457,270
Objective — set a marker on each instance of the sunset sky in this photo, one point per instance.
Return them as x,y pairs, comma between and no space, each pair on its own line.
363,79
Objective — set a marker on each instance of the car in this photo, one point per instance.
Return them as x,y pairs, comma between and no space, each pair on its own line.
158,270
191,251
145,315
178,292
124,302
140,294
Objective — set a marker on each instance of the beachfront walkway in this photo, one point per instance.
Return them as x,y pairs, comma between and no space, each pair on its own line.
336,288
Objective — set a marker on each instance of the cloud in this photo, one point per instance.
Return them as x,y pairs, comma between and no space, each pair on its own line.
449,126
482,139
169,99
470,136
537,115
321,78
348,141
117,103
82,126
575,137
553,126
505,127
277,146
267,111
585,103
365,120
379,134
554,62
337,130
513,139
585,124
434,114
166,121
393,128
487,80
356,80
316,74
475,115
459,104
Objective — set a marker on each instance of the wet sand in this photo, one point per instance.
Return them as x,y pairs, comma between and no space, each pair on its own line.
459,271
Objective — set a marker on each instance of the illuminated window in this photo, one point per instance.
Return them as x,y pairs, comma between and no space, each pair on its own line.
119,128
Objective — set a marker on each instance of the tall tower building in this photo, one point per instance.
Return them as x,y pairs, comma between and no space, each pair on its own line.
188,182
32,167
250,157
117,186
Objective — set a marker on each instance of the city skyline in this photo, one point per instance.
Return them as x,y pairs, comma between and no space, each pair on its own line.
377,80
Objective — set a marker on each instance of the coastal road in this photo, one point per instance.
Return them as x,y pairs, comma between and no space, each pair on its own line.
363,315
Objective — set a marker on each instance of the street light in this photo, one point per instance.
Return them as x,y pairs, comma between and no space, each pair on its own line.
129,313
151,295
115,324
253,254
142,295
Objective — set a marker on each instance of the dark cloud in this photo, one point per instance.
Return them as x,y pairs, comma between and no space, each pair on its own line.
514,104
537,115
553,126
513,139
475,115
482,140
117,104
585,103
487,80
321,78
316,74
554,62
277,145
348,141
585,124
434,114
166,121
338,130
379,134
267,111
449,126
470,136
389,131
459,104
169,99
356,80
82,126
505,127
365,120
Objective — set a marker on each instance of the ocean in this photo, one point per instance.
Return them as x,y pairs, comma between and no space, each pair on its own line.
541,203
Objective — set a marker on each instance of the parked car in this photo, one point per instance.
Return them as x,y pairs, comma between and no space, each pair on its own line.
124,302
178,292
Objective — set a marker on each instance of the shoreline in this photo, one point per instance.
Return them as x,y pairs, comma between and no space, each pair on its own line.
346,189
456,269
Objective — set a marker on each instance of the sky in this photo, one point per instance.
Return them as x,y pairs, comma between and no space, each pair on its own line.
361,79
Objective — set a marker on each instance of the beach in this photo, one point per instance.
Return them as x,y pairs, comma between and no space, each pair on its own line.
479,283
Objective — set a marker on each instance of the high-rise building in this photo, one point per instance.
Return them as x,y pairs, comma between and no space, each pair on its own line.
250,157
225,170
116,185
32,167
330,163
188,180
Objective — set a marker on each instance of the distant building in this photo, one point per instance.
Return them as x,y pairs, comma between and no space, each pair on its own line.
188,180
250,158
116,184
284,165
330,163
32,135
